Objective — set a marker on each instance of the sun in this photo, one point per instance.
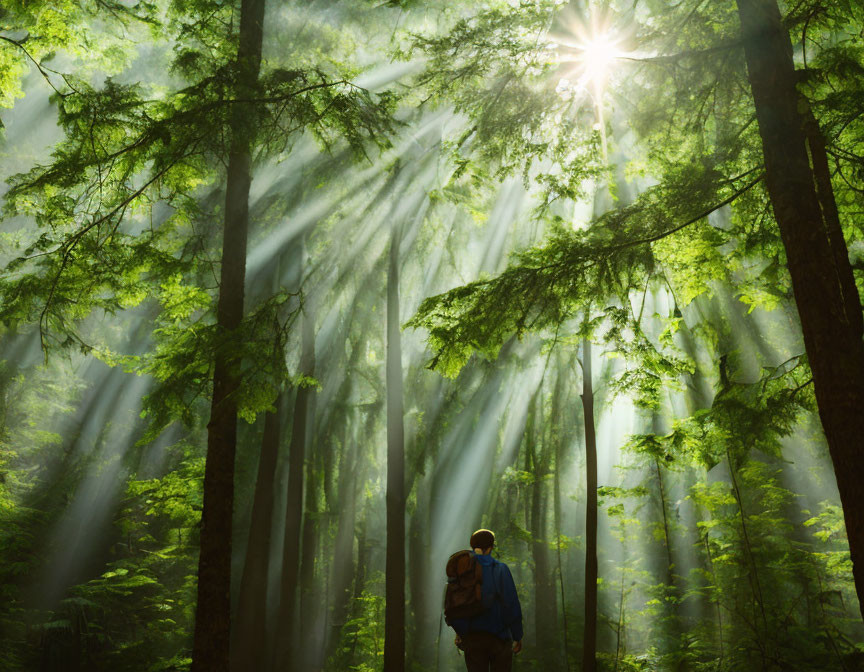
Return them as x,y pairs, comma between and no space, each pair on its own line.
597,56
593,50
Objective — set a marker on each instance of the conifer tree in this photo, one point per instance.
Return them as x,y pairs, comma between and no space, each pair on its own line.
798,179
589,644
213,610
286,657
394,623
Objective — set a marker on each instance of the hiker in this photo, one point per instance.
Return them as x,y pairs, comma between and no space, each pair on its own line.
482,606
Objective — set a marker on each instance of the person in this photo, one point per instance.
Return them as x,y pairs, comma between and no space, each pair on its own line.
490,639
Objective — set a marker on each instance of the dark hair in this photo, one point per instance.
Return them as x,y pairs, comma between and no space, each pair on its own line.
483,539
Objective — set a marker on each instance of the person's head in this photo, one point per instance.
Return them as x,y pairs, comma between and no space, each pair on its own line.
482,542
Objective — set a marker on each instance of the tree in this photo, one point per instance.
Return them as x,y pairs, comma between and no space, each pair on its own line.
589,650
210,651
546,603
112,251
394,619
250,644
285,656
798,179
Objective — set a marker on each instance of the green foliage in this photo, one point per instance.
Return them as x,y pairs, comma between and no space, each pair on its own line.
743,417
362,638
100,247
31,454
772,596
187,343
694,117
139,613
494,68
750,559
33,31
549,284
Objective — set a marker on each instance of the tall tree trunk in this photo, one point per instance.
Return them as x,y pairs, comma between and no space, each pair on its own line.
309,627
670,641
667,540
351,473
556,434
545,600
394,615
799,185
343,552
589,651
347,602
250,643
359,577
249,648
546,617
425,626
211,648
286,658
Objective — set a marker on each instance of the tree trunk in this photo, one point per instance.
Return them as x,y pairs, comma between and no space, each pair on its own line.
394,615
357,606
351,476
211,648
286,657
425,625
589,651
309,626
556,434
250,639
822,281
545,601
670,639
343,552
250,643
667,540
347,601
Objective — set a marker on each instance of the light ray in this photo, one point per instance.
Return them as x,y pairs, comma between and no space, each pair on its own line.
593,49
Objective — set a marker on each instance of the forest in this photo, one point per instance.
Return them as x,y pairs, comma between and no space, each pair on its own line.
296,295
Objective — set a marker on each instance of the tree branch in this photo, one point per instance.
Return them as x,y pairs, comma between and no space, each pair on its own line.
39,67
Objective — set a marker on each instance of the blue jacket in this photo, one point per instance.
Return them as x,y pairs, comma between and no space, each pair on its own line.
503,614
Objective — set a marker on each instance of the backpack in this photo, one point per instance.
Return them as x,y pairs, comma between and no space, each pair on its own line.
463,597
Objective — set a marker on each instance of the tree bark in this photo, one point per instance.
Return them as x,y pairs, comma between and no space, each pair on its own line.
589,651
829,306
286,658
394,614
249,650
211,645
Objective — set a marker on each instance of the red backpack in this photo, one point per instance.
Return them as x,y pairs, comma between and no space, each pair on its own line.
463,597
